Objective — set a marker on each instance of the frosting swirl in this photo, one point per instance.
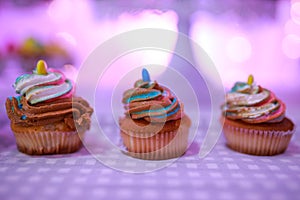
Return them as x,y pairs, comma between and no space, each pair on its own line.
151,101
43,85
253,104
71,111
46,97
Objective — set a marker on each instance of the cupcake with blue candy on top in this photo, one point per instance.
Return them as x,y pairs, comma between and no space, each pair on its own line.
46,117
154,125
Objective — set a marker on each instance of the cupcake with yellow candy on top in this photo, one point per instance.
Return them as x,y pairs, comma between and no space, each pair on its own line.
155,125
46,117
255,121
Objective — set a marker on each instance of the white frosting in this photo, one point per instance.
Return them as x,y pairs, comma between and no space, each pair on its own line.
26,82
239,99
42,93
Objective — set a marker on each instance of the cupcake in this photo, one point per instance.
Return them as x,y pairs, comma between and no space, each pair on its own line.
255,121
46,117
154,125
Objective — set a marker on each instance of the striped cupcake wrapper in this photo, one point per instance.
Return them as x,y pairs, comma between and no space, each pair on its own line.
257,142
161,146
55,142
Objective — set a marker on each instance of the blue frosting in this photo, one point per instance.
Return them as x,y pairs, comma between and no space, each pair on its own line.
152,94
19,102
18,98
21,77
158,110
23,117
169,114
238,86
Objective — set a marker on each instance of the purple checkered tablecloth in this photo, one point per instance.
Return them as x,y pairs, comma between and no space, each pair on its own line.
223,174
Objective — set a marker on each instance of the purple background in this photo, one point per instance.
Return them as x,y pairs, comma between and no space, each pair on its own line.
270,27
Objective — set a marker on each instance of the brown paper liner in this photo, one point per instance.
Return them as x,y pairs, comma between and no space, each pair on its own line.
48,142
160,146
257,142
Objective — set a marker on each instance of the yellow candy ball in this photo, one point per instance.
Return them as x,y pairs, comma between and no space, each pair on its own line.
41,67
250,79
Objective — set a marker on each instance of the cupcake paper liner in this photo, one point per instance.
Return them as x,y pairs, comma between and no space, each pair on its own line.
54,142
257,142
163,145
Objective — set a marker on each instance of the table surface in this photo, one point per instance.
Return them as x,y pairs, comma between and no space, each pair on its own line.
222,174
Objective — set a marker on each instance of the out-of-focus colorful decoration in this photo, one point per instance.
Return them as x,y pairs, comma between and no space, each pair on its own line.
32,49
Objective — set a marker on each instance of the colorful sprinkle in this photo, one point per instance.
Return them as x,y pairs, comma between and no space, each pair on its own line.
23,117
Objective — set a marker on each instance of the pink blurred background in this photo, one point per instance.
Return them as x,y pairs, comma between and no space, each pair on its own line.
241,37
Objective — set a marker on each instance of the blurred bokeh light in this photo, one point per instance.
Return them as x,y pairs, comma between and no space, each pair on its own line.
254,37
